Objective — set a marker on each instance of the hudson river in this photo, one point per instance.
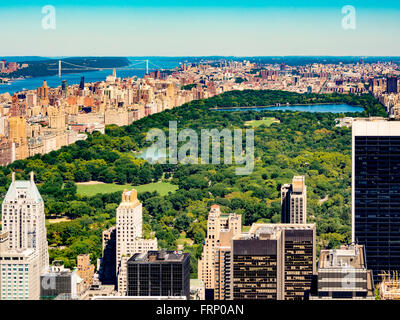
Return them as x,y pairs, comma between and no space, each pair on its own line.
92,76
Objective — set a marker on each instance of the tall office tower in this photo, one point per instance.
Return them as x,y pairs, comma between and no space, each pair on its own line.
274,261
342,275
160,274
129,235
376,192
43,91
24,218
82,83
219,226
294,201
107,274
391,85
64,88
23,255
223,267
17,135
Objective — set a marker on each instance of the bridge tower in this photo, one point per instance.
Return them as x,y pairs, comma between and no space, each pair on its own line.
59,68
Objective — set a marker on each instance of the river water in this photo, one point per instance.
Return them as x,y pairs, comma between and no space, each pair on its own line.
92,76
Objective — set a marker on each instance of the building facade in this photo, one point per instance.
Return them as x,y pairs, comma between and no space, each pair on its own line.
129,236
108,272
216,250
294,201
159,273
274,261
24,219
342,275
376,192
23,243
58,281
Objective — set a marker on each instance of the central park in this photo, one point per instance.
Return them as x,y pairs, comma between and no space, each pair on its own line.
82,183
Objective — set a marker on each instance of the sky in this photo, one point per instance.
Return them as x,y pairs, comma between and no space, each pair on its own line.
199,28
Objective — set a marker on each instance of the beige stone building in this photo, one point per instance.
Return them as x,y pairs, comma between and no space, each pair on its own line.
17,135
211,267
85,271
129,236
294,201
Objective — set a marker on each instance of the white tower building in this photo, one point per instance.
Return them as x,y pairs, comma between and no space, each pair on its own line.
25,253
129,235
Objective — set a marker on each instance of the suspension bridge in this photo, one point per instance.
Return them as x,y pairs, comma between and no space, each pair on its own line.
136,65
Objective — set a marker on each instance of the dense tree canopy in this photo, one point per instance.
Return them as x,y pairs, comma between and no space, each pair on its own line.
300,144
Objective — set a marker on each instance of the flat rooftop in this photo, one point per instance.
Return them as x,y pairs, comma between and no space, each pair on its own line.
345,256
158,257
375,127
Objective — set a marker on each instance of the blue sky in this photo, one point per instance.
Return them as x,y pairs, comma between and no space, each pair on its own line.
193,27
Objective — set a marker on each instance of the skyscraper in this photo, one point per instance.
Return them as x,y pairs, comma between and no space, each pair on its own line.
17,135
376,192
24,252
43,91
294,201
82,83
274,261
159,273
64,88
391,85
129,235
220,230
108,273
24,218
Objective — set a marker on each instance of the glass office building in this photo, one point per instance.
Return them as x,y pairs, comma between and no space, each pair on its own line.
376,192
159,273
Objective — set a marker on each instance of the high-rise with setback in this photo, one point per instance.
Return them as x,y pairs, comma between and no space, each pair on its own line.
24,252
129,236
214,263
294,201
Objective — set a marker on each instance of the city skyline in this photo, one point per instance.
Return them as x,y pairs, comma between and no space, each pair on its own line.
200,29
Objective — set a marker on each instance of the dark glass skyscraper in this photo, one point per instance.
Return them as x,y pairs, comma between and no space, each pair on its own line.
391,85
274,262
376,192
82,83
159,273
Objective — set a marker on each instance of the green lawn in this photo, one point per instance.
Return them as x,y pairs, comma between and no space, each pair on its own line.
91,189
265,121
